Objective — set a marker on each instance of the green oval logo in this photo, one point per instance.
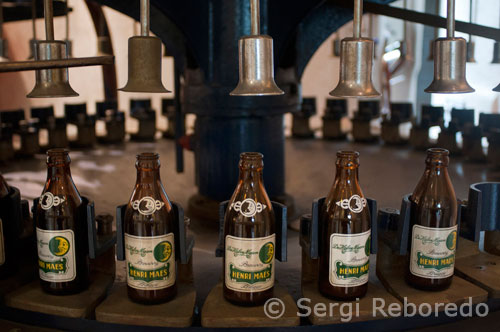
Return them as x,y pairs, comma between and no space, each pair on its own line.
59,246
163,251
451,241
266,253
368,245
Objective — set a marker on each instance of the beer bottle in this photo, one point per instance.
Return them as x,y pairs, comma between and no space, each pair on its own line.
61,230
4,248
433,226
249,237
346,235
149,236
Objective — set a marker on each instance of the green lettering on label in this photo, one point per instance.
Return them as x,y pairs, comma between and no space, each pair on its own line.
161,273
345,271
250,277
59,267
428,262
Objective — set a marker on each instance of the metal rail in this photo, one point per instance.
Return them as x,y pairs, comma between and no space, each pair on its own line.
62,63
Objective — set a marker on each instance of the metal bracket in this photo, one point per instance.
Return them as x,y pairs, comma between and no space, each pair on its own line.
310,228
281,230
183,243
481,213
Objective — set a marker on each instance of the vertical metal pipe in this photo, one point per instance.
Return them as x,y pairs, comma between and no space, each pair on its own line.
144,17
255,17
33,18
358,12
67,20
49,19
470,17
450,23
405,28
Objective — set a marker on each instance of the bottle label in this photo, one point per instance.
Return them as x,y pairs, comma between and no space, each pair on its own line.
56,255
349,259
2,245
433,251
249,263
147,205
48,200
150,261
247,207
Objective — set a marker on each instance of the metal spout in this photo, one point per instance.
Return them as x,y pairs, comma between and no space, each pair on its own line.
144,65
496,52
54,82
356,59
256,61
470,52
256,67
450,55
356,69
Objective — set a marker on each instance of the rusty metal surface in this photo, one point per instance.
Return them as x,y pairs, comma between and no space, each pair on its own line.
107,175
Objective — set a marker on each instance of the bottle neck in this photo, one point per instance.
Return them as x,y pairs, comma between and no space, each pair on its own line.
251,175
147,176
347,175
57,172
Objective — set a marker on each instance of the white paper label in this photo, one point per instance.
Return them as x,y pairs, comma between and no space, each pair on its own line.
2,245
56,255
150,261
249,263
349,259
433,251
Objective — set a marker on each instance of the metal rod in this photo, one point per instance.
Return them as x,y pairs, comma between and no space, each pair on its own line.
144,17
60,63
67,20
33,18
450,20
470,17
49,19
404,22
255,17
358,12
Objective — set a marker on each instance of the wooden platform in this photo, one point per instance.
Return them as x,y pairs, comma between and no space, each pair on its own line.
366,310
391,272
119,309
31,297
480,268
26,273
219,313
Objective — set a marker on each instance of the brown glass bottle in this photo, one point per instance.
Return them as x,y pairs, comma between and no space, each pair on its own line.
345,234
61,230
433,228
149,236
6,241
249,237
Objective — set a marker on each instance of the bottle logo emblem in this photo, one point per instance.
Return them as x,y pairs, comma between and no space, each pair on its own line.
248,207
451,241
147,205
59,246
266,253
355,204
48,200
163,251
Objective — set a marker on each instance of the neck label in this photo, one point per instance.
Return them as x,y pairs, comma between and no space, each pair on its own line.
48,200
56,255
433,252
147,205
248,207
249,263
355,204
